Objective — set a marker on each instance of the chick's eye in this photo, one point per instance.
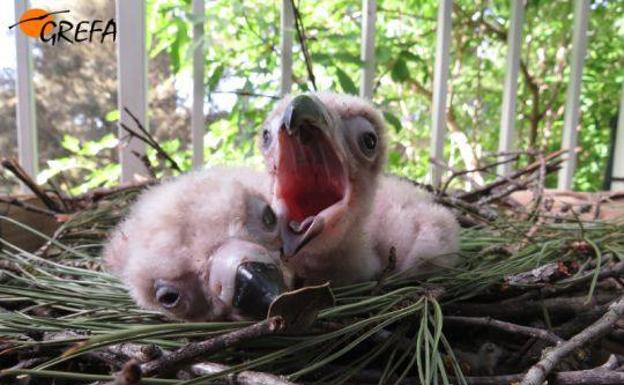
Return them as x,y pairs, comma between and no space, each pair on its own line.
167,296
268,217
368,143
266,138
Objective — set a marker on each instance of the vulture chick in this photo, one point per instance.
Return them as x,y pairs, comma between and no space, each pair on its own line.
203,246
325,153
424,234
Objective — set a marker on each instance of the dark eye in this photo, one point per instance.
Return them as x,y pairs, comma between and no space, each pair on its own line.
266,138
268,217
167,296
368,143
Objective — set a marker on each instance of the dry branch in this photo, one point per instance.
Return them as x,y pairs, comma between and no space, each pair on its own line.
224,341
303,41
538,372
487,189
14,167
148,139
506,326
246,377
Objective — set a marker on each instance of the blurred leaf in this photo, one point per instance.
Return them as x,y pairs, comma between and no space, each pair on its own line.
399,72
393,120
71,143
214,79
346,83
112,116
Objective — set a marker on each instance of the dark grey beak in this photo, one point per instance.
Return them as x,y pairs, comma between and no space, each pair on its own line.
302,110
257,285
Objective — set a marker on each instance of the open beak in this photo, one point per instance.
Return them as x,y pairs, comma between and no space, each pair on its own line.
311,176
245,277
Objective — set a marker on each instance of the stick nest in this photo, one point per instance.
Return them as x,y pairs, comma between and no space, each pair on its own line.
537,296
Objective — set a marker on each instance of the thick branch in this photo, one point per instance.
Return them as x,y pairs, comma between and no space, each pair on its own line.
538,372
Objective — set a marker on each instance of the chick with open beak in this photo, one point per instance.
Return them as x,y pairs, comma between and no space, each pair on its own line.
325,152
203,246
339,217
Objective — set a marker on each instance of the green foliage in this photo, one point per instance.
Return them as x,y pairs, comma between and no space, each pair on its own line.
83,160
242,57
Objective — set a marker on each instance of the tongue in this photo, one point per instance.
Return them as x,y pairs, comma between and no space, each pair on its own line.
310,175
299,228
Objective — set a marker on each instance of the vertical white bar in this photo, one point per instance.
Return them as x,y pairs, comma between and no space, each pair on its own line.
508,113
197,117
367,47
440,88
131,81
26,121
618,158
287,26
571,119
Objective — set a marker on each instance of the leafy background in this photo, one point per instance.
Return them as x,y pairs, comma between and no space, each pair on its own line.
76,85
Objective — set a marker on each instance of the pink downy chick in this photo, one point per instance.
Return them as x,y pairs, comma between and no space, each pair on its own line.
198,246
326,152
425,235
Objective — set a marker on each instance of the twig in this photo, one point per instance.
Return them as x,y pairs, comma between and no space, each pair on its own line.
527,308
598,376
455,174
146,163
538,372
148,139
13,166
195,349
387,271
506,326
246,377
304,45
26,206
140,353
485,190
514,186
246,93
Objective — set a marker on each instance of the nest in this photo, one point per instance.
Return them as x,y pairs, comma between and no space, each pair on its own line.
537,296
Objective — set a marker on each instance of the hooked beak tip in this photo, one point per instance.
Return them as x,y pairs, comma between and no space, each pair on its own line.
304,108
257,285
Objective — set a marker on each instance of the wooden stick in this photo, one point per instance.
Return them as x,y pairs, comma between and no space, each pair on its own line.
148,139
304,46
474,195
26,206
507,326
13,166
194,349
538,372
246,377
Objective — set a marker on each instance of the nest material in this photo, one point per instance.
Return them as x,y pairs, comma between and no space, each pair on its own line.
538,295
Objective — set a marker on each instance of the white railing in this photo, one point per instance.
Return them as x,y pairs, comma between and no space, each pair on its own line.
26,124
132,78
